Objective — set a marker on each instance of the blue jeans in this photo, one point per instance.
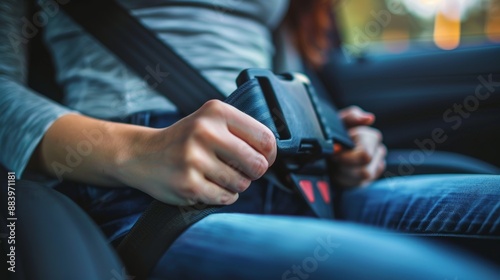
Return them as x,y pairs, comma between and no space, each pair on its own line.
283,246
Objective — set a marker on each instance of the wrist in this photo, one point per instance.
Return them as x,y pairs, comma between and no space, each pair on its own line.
130,144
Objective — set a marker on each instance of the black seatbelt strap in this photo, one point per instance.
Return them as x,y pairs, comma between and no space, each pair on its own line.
174,78
147,241
144,53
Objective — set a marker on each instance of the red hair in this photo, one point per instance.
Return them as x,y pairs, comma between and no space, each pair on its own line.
311,22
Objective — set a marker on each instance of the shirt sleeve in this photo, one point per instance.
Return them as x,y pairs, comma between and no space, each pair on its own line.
25,115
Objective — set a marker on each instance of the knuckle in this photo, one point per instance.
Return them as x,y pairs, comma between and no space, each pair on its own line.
258,167
203,130
190,188
200,125
227,198
209,135
191,192
366,130
192,160
235,164
223,178
243,184
214,107
353,109
206,130
371,132
378,134
268,143
364,174
364,156
234,180
381,168
383,151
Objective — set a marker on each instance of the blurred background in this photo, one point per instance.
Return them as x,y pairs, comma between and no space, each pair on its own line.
397,26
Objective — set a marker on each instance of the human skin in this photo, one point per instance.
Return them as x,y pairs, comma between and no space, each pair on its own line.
366,161
207,157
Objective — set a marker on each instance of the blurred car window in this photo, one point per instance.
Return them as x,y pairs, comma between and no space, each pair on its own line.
397,26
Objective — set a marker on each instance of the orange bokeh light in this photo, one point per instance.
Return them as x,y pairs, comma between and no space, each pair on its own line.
492,28
447,25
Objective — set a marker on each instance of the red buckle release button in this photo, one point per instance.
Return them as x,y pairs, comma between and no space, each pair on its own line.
324,190
307,188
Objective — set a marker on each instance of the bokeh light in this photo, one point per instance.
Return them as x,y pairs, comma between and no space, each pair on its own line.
396,26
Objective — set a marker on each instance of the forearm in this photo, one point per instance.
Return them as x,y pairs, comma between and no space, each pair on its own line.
88,150
209,156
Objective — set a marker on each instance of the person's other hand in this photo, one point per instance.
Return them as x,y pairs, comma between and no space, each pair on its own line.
208,157
366,161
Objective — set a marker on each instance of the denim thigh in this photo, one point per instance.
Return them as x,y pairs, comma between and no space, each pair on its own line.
249,246
438,204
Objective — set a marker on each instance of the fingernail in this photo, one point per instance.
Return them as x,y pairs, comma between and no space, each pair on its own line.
370,117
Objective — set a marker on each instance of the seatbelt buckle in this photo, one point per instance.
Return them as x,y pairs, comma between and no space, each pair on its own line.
317,192
301,137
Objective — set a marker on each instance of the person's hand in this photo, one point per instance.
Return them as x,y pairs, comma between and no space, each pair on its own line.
366,161
208,157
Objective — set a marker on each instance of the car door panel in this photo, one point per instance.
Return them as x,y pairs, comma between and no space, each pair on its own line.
415,95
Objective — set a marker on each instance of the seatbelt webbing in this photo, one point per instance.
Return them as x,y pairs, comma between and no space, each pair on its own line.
147,241
172,77
151,58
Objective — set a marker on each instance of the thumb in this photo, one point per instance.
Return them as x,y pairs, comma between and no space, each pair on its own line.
355,116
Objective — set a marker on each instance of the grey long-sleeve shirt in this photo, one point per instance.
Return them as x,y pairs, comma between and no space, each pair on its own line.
212,38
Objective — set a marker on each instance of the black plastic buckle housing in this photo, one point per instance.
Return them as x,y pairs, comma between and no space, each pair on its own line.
301,137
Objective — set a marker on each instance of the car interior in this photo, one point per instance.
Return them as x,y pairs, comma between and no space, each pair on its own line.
444,95
416,86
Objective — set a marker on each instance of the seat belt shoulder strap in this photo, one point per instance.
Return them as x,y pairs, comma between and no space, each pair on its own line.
145,53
